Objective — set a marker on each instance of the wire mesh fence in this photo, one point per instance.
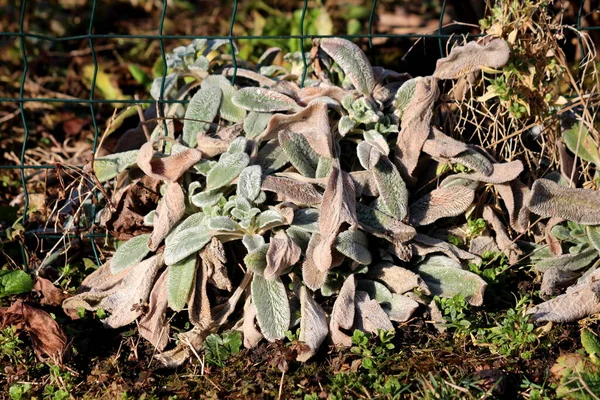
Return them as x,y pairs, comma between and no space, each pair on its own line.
92,101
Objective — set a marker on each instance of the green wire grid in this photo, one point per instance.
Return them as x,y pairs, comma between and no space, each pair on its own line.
91,102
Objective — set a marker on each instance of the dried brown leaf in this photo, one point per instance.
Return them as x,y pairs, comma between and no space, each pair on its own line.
312,276
555,280
508,247
580,302
464,60
213,256
252,334
364,183
131,204
440,203
192,339
169,211
313,325
369,316
299,193
549,199
283,253
309,93
153,325
515,196
199,310
121,296
48,339
51,295
398,279
441,145
416,126
338,207
312,123
168,168
426,245
342,315
503,173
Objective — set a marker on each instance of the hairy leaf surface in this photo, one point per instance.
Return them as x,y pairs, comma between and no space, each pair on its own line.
272,307
200,113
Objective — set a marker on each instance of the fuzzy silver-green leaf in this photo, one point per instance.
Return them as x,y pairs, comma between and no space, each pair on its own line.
263,100
130,253
200,113
109,166
227,169
353,62
272,307
180,277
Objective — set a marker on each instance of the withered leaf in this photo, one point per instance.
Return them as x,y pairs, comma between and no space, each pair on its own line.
471,58
168,168
515,195
441,145
312,123
154,326
48,339
579,302
508,247
555,280
283,253
502,173
338,206
51,295
426,245
312,276
549,199
199,310
398,279
313,325
299,193
342,315
416,126
214,258
440,203
169,211
364,183
370,317
251,334
119,296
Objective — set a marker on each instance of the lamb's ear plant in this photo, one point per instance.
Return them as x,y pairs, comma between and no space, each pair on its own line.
273,197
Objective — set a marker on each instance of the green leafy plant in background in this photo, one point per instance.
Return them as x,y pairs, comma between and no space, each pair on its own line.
579,373
218,348
308,188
